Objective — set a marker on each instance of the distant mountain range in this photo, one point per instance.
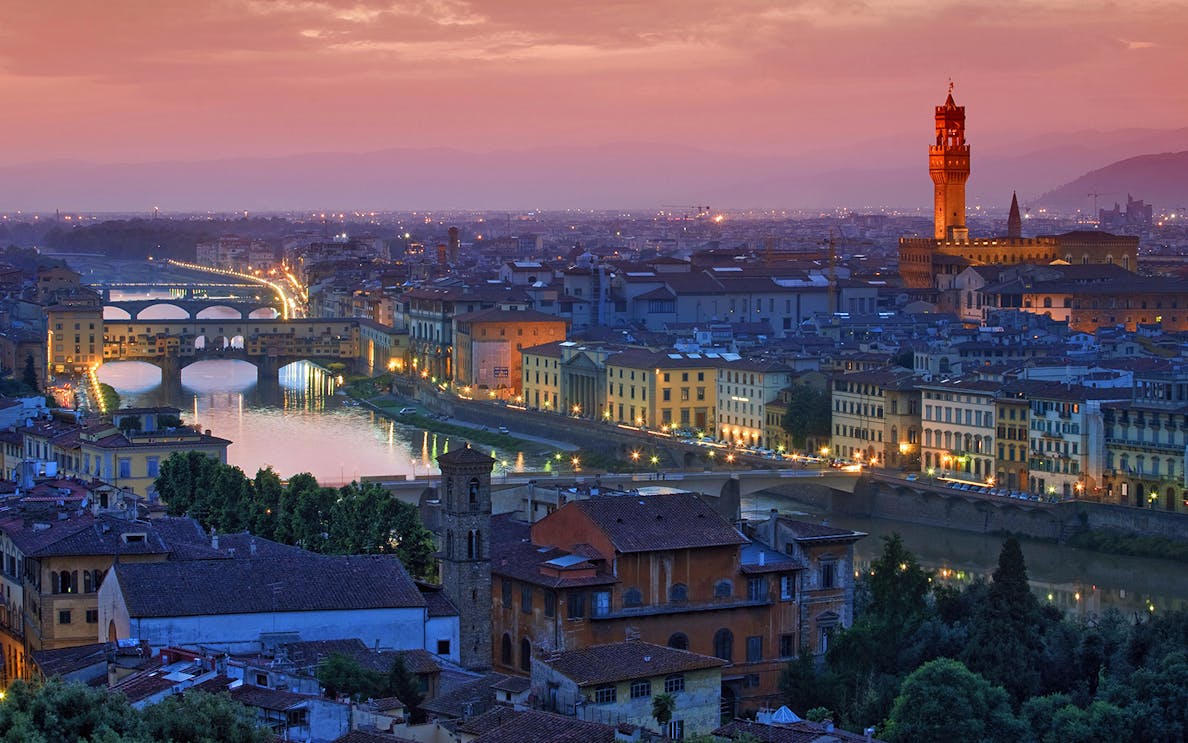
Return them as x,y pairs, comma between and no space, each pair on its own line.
891,172
1161,180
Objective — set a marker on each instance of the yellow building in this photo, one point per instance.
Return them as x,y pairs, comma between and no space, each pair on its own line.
876,418
125,452
540,376
74,337
658,389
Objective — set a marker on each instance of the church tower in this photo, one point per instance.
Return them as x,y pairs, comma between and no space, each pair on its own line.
465,539
948,164
1014,219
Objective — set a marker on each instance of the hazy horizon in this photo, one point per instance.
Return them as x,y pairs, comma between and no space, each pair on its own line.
100,98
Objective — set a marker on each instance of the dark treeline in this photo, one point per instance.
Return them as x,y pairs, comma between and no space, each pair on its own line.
353,519
991,663
55,712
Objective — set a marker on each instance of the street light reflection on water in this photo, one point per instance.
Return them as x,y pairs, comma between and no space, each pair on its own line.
295,425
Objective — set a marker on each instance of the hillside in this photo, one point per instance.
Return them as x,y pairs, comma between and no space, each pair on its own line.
1160,179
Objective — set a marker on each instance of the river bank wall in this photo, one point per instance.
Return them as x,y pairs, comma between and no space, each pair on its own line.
1058,521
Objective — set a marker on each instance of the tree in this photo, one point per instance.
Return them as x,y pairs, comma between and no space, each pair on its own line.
663,705
405,686
808,415
1006,633
943,700
804,686
342,675
57,711
29,375
898,587
197,717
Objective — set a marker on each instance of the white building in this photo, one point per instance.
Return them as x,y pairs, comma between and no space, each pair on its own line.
237,604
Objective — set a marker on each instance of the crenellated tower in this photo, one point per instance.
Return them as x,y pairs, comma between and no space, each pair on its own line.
948,164
465,538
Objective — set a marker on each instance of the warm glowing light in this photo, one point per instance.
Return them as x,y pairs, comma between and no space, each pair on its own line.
634,456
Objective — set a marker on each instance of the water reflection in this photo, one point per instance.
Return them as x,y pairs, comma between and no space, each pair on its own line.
1080,582
293,424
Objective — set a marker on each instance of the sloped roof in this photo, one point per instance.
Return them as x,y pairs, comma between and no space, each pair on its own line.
465,455
619,661
308,582
648,523
544,727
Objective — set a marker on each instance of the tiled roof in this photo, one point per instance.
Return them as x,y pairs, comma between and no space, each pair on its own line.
469,698
465,455
218,685
143,685
368,736
517,557
658,522
67,660
439,605
264,698
107,535
497,315
809,530
310,653
246,586
544,727
619,661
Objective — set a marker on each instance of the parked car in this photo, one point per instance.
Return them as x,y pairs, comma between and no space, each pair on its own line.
912,477
407,411
503,430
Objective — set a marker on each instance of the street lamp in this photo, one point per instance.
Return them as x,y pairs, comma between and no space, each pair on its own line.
575,462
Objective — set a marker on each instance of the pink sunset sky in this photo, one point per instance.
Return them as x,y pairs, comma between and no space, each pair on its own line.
128,80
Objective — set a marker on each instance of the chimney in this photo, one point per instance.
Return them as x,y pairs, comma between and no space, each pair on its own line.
252,546
214,538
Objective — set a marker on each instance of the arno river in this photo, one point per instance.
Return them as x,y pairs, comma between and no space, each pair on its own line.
304,427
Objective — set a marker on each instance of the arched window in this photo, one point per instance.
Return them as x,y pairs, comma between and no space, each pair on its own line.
679,592
723,589
473,492
679,641
87,586
470,545
449,545
505,650
632,597
724,644
525,655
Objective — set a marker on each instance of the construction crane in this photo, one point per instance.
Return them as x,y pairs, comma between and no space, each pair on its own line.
1094,195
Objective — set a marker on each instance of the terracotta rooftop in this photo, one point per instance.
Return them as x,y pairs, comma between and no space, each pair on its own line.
619,661
544,727
649,523
307,582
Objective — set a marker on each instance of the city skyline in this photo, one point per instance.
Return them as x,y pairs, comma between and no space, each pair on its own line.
817,85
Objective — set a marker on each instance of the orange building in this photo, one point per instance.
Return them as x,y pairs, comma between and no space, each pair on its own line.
487,346
670,570
933,263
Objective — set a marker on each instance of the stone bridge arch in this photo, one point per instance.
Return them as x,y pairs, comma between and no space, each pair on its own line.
213,312
184,313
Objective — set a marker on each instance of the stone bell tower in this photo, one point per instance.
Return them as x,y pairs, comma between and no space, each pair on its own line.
948,164
465,539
